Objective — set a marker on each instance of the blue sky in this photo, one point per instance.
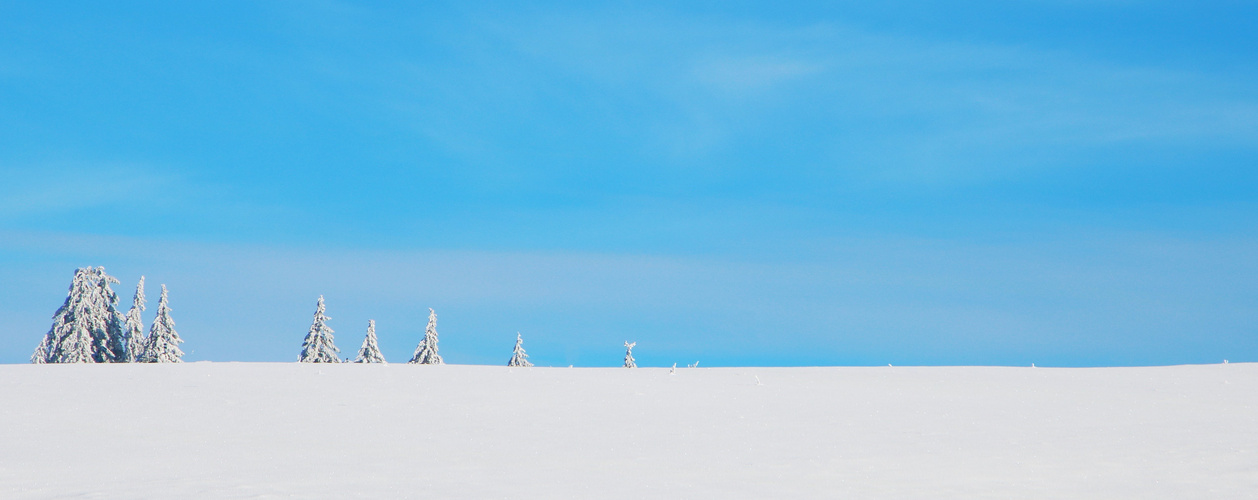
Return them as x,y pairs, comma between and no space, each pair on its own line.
1064,183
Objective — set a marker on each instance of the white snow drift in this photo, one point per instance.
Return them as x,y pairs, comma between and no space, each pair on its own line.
364,430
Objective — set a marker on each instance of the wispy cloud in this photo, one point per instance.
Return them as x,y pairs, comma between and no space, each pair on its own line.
58,188
879,107
753,74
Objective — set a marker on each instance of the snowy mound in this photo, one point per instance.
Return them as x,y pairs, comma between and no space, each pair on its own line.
288,430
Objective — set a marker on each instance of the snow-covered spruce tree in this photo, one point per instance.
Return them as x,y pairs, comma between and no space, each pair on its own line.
318,346
111,344
518,358
426,351
69,340
370,351
629,355
163,341
134,327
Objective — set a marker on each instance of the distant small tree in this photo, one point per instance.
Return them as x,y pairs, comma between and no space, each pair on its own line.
426,351
134,327
629,355
370,352
518,357
163,341
318,347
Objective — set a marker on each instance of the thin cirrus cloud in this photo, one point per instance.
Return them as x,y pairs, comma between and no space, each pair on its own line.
871,108
60,188
754,74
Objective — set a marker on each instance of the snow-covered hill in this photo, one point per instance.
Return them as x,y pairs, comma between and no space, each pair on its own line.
274,430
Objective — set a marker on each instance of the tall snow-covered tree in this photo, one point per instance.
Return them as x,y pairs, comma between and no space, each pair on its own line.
318,347
69,340
426,351
163,341
134,327
518,357
629,363
81,326
111,346
370,351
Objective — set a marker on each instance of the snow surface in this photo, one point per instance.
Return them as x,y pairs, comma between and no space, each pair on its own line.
290,430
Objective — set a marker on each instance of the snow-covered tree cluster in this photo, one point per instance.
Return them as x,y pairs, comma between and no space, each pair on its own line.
319,346
89,328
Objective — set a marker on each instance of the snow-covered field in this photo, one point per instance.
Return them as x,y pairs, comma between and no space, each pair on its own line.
287,430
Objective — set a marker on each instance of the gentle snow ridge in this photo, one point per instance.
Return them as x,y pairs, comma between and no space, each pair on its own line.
293,430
